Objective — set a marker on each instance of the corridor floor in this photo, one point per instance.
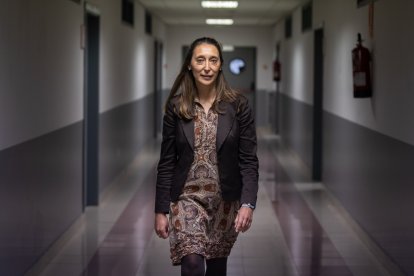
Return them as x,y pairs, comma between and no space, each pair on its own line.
298,228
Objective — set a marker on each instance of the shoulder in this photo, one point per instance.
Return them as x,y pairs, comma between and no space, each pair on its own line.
238,106
233,98
242,99
242,103
237,103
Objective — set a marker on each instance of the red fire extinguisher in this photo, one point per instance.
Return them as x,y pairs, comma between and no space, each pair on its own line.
361,66
276,70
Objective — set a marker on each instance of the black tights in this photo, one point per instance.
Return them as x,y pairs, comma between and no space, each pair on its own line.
193,265
216,267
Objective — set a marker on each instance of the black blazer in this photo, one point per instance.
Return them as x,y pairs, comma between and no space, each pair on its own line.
236,154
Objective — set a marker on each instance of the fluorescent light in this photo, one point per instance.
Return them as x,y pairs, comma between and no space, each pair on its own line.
220,4
214,21
228,48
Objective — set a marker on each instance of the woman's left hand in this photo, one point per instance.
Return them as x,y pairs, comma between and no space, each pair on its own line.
243,219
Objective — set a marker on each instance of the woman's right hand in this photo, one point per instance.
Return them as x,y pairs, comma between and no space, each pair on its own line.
161,225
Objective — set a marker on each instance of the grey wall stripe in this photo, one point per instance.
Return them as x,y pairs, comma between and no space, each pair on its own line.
370,173
122,132
41,189
40,195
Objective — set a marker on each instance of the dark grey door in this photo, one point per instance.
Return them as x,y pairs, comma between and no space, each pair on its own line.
157,87
240,68
91,122
317,105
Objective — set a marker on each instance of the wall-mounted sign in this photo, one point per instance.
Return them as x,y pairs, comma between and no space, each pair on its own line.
237,66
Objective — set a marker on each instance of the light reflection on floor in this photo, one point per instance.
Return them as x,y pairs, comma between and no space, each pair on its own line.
298,228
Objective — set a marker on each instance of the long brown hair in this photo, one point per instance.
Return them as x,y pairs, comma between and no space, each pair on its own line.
185,83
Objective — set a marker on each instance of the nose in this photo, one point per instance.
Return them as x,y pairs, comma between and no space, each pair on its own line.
207,66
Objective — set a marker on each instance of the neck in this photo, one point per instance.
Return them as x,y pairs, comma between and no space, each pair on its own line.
206,94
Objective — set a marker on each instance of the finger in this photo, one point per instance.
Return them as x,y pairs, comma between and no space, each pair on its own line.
240,221
247,227
246,224
240,225
243,219
237,223
160,232
164,232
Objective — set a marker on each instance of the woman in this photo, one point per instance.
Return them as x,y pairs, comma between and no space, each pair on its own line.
208,170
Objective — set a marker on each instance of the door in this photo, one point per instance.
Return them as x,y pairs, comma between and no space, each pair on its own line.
91,109
158,88
239,68
317,105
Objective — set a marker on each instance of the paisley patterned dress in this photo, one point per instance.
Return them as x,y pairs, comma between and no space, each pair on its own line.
200,221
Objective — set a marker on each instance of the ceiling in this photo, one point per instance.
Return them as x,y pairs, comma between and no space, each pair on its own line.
249,12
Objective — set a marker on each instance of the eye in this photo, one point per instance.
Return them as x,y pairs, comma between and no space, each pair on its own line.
214,61
199,60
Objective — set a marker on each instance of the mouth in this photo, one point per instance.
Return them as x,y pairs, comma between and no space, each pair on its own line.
207,77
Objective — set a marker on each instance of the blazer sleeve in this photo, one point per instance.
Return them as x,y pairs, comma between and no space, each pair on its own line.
248,161
167,162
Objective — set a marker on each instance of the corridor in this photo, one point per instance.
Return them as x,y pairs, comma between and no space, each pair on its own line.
83,85
299,229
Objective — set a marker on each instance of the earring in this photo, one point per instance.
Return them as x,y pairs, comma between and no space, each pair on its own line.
189,68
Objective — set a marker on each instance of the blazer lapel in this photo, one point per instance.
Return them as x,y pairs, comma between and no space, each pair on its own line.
225,122
188,128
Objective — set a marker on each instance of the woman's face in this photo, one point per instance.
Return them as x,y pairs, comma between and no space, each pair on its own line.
205,64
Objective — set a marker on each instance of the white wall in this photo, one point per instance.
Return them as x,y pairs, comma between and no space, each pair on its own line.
296,58
127,56
259,37
390,111
41,68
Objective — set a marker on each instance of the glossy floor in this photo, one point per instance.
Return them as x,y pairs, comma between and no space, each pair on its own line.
299,228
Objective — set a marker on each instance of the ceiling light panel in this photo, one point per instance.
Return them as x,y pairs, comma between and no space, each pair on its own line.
219,4
216,21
